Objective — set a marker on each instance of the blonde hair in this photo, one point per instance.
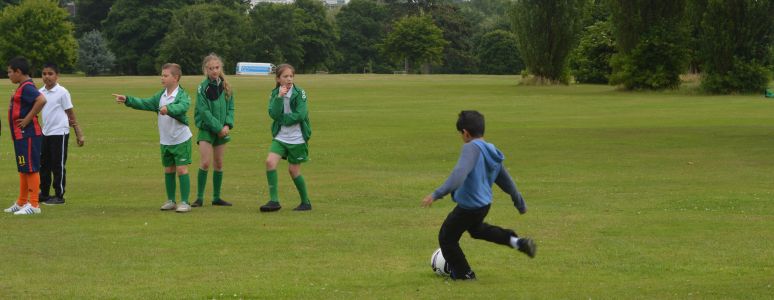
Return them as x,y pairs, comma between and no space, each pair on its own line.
206,61
281,69
174,69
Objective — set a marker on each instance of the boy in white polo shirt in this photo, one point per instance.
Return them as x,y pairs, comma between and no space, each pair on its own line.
171,105
58,116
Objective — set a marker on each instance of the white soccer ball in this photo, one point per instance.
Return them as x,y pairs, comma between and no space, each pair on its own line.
439,264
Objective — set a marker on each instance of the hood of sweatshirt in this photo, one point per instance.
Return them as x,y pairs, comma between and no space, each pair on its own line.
492,156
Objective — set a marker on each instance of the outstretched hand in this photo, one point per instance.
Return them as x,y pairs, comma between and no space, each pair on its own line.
120,98
427,201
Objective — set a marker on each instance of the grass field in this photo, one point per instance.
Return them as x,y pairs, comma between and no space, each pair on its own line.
631,195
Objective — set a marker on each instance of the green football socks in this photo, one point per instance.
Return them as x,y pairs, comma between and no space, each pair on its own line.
201,182
301,187
217,181
185,187
169,180
272,177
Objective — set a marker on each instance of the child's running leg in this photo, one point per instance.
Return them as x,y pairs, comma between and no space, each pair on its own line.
499,235
457,222
217,175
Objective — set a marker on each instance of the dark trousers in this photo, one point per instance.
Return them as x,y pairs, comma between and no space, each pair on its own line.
53,157
460,220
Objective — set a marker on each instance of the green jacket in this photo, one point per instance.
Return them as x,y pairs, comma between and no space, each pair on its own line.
213,115
297,107
177,109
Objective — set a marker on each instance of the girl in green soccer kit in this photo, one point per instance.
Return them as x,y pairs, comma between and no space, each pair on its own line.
291,131
214,117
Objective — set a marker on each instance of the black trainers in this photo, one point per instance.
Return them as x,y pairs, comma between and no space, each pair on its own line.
303,207
220,202
271,206
197,203
470,275
43,198
53,201
527,246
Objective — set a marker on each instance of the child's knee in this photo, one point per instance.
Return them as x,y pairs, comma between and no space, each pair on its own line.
270,164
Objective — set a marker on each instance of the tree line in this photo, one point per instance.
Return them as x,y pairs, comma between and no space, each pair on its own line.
637,44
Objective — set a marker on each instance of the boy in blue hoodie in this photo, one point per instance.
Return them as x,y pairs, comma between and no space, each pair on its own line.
470,184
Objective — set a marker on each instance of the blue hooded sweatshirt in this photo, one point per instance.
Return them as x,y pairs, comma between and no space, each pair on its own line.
471,181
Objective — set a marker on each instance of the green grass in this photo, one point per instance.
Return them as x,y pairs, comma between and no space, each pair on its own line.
631,195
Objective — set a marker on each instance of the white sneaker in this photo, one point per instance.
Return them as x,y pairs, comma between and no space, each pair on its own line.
27,209
14,208
183,207
169,205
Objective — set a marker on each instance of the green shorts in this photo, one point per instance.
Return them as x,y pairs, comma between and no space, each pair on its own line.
176,155
294,153
212,138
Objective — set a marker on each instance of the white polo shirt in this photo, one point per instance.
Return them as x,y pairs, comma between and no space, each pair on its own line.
55,121
171,131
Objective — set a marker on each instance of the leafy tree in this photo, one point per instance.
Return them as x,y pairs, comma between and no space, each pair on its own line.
498,53
90,14
736,41
415,40
272,41
403,8
196,30
5,3
316,35
241,6
546,32
695,10
362,25
94,56
134,30
38,30
486,15
458,54
590,61
651,43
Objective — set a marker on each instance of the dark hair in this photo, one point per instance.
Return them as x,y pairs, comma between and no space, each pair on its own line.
472,121
51,66
281,68
20,63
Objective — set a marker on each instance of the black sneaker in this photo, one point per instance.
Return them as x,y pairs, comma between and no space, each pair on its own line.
53,201
271,206
527,246
43,198
220,202
303,207
197,203
470,275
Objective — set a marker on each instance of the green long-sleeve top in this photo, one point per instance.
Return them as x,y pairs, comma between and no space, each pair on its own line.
177,109
298,114
212,115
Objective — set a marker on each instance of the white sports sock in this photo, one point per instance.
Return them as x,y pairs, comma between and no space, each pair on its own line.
514,242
